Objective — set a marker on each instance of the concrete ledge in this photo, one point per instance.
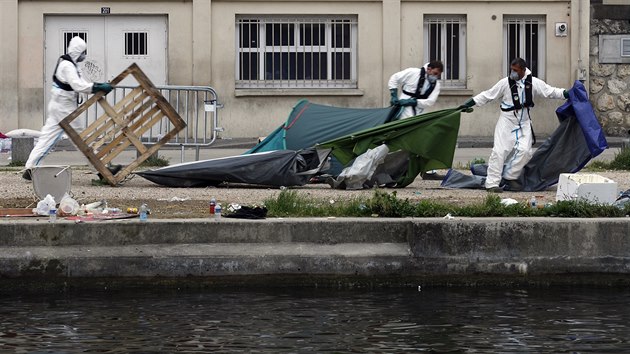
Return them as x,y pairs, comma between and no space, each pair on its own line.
308,250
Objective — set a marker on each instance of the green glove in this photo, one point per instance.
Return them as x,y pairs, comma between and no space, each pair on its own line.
393,97
468,104
102,86
408,102
565,93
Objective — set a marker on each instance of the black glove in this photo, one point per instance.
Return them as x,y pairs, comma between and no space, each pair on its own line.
102,86
565,93
408,102
468,104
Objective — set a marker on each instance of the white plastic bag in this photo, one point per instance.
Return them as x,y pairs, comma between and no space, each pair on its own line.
363,167
44,205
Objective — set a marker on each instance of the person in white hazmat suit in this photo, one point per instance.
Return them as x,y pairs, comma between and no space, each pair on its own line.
513,134
420,88
64,99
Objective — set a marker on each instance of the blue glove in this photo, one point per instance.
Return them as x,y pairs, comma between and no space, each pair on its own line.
408,102
102,86
393,100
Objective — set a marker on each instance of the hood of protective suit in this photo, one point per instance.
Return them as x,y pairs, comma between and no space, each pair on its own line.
76,47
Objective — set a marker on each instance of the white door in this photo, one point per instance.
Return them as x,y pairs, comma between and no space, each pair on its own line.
113,43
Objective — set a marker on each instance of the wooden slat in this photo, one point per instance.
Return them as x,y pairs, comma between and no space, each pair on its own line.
123,123
102,122
109,147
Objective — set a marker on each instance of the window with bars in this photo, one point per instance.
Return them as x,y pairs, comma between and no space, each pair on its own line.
625,47
136,43
524,37
67,36
296,52
445,36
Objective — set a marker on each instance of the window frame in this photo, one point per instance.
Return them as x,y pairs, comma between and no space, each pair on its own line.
444,20
293,49
522,21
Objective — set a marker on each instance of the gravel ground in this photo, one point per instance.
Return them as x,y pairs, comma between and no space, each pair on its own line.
167,202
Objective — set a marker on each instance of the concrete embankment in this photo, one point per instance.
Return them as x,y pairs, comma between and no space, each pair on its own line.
313,252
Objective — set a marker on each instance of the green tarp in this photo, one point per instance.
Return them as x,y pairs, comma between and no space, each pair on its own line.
429,138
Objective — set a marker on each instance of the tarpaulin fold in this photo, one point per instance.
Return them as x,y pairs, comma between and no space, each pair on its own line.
273,168
429,138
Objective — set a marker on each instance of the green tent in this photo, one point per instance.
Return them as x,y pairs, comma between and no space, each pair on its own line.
429,139
310,123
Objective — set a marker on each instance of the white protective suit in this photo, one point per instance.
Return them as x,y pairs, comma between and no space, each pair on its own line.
512,134
61,102
408,80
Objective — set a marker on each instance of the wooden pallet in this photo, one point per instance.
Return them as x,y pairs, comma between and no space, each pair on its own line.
122,125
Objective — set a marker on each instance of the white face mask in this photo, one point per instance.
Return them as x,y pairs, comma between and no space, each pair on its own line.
432,78
514,75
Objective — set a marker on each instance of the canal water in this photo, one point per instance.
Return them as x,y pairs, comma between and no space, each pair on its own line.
435,320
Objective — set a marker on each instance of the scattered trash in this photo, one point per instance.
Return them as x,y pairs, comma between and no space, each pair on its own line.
211,206
233,207
52,215
68,205
175,199
448,217
45,205
246,212
508,201
533,202
144,210
624,198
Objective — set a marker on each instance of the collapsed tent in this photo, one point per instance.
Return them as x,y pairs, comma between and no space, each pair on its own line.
273,168
309,124
577,140
428,139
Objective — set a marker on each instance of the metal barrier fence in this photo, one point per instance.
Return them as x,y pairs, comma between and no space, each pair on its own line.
197,105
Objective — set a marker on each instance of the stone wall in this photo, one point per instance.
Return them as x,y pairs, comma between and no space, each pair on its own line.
609,83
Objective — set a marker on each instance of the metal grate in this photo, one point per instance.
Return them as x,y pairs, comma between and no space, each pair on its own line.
67,36
625,47
136,43
297,52
446,39
524,38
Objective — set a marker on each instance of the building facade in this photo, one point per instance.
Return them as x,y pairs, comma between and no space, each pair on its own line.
610,65
263,56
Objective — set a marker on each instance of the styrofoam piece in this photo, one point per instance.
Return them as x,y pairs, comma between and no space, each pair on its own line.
53,180
589,187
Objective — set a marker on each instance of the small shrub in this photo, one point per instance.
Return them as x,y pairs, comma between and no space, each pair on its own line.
621,161
16,163
155,161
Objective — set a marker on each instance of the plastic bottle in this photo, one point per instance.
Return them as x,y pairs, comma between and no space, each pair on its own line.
213,203
533,203
143,212
52,215
217,211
